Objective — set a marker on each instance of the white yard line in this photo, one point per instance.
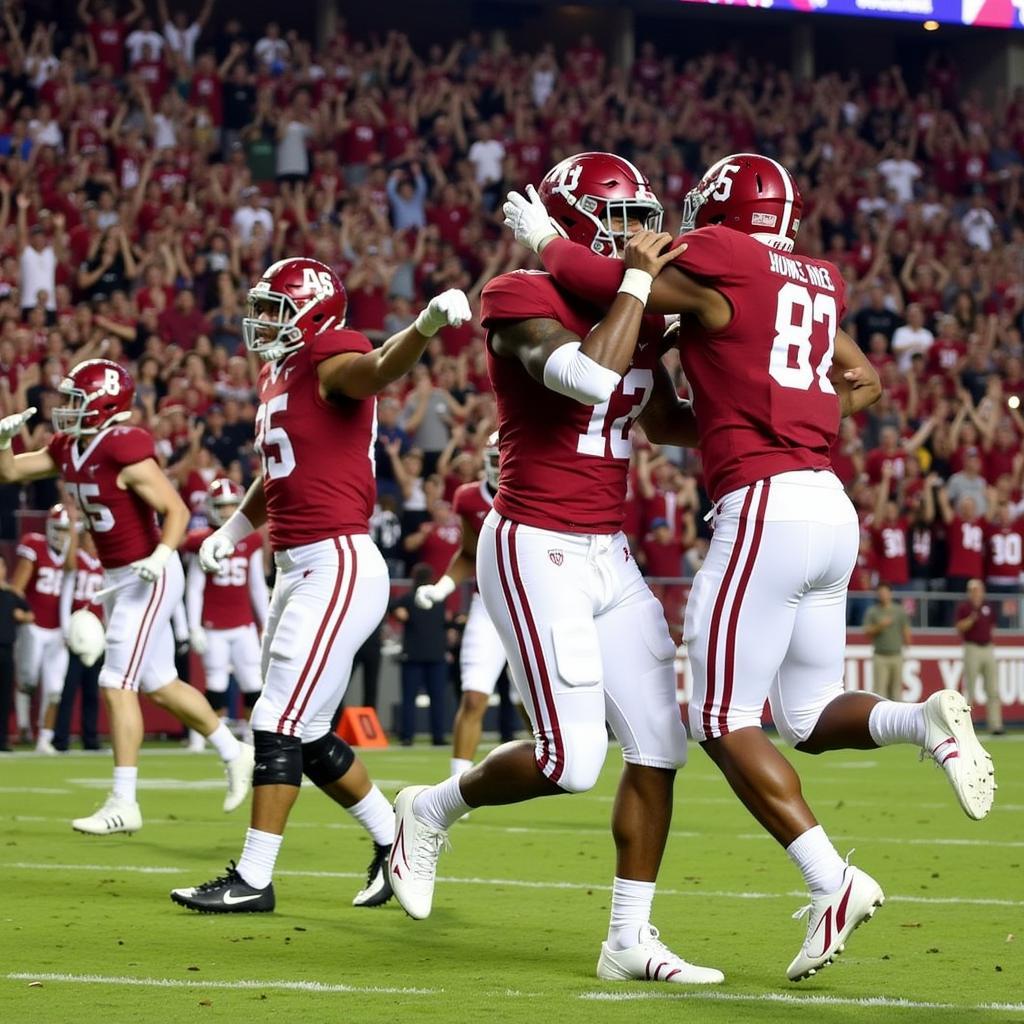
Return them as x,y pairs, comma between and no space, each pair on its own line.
295,986
515,883
780,997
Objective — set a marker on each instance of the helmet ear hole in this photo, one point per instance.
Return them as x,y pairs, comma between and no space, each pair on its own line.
760,184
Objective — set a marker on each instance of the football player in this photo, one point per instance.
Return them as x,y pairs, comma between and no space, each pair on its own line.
585,638
227,610
40,656
482,655
78,593
110,469
315,434
771,373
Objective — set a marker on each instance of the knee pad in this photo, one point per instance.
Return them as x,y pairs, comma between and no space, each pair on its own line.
249,699
326,759
581,752
278,760
217,700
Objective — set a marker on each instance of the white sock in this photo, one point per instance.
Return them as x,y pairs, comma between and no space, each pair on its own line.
891,721
460,765
256,865
124,783
631,912
376,815
196,740
442,805
816,857
45,736
22,709
226,745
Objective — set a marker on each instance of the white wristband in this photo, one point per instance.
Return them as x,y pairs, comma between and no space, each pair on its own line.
237,528
637,283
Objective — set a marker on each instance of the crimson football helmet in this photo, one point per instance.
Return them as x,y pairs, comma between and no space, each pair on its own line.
749,193
58,528
293,297
99,393
221,494
586,193
491,466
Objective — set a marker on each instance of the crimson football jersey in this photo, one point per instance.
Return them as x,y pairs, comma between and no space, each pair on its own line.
227,600
965,543
1004,547
88,580
317,455
563,463
43,588
123,526
890,547
473,502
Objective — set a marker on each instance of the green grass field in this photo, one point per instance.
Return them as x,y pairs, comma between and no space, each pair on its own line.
88,934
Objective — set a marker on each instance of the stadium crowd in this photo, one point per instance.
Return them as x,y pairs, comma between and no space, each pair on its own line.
152,164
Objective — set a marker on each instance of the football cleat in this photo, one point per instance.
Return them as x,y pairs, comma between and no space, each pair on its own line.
952,744
228,894
412,866
377,890
44,746
116,815
239,773
832,918
651,960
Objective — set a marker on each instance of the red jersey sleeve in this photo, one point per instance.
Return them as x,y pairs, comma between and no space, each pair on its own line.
29,547
709,253
521,295
57,446
334,343
128,445
587,274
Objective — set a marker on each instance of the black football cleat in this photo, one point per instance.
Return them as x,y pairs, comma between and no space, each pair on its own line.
229,894
378,886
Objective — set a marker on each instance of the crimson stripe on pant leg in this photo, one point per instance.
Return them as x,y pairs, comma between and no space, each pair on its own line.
353,571
737,604
554,729
145,628
716,614
524,653
316,640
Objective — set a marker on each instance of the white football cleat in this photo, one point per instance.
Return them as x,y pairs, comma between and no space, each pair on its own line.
832,918
651,960
239,773
951,742
46,747
116,815
412,865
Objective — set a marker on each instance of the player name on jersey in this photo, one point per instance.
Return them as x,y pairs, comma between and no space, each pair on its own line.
796,270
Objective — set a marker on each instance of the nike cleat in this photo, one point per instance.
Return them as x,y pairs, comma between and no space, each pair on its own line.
952,744
651,960
229,894
377,890
116,815
412,866
832,918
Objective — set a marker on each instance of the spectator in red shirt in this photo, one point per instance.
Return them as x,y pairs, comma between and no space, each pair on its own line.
437,540
183,322
975,619
1004,546
661,555
889,536
965,541
108,33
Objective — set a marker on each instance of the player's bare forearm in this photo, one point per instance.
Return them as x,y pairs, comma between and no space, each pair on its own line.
669,419
254,505
367,374
462,567
148,481
21,469
856,381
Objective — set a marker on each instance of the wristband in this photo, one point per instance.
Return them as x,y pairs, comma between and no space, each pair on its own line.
637,283
237,528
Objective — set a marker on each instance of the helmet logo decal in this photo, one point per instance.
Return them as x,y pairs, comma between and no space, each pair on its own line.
111,382
568,182
318,282
723,182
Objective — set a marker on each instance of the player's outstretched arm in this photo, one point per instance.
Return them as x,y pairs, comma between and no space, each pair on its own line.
667,418
589,370
360,375
18,469
147,480
461,568
856,381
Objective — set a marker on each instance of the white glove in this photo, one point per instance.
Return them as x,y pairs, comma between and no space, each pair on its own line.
10,426
197,639
214,550
151,569
434,593
528,218
449,309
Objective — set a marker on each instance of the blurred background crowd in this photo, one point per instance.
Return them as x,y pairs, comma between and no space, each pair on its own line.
153,162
